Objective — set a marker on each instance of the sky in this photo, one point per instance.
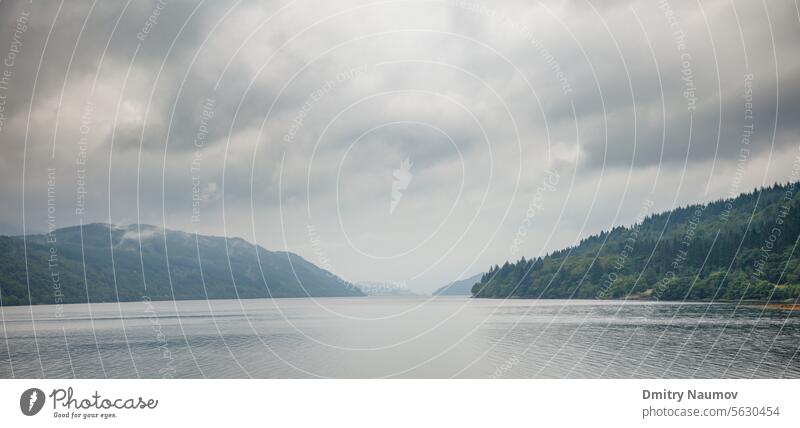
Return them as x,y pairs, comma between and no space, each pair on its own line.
410,143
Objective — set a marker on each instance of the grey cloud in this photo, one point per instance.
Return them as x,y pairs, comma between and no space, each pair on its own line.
400,45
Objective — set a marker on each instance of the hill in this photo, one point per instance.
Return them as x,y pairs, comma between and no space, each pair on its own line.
459,288
740,248
129,262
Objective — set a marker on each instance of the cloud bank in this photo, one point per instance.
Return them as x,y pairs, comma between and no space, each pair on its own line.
284,122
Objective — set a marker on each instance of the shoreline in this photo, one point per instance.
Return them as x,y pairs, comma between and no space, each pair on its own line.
776,305
792,306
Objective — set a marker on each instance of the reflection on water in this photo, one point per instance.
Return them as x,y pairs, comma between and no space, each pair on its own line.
399,337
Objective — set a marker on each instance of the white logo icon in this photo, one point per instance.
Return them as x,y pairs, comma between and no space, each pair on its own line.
402,178
33,400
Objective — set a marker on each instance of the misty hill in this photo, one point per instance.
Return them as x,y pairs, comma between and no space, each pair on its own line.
168,267
740,248
459,288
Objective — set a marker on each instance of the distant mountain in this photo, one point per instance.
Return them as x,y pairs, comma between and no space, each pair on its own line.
740,248
384,289
459,288
167,266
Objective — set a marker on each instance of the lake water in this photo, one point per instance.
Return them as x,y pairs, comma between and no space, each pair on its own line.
399,337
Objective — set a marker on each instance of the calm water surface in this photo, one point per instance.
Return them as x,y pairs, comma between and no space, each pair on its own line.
399,337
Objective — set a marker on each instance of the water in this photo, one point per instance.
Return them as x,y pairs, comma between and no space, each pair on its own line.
399,337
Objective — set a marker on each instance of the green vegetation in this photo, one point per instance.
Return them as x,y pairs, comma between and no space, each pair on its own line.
166,266
733,249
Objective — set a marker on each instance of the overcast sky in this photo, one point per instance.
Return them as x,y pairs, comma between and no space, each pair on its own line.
405,142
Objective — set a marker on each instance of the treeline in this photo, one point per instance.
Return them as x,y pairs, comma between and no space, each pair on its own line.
740,248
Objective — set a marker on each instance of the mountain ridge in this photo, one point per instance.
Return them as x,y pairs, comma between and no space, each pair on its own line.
101,262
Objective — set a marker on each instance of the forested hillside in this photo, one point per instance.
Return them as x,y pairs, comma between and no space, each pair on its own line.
732,249
107,263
